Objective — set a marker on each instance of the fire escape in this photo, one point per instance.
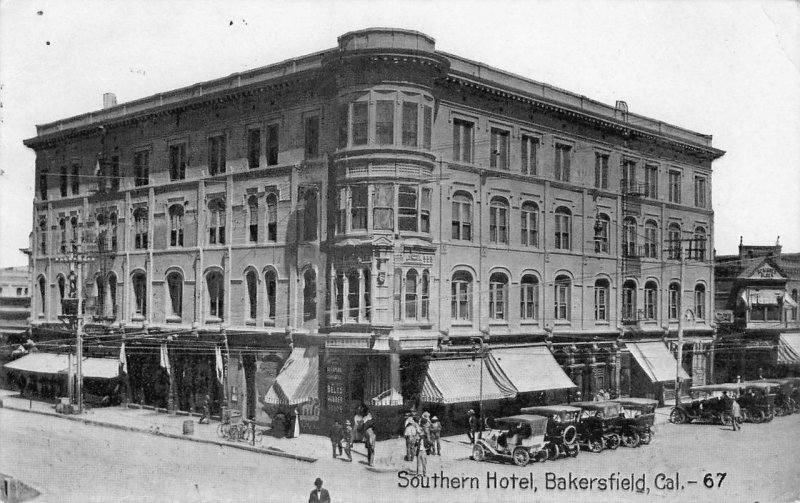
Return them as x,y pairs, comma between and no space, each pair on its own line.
631,196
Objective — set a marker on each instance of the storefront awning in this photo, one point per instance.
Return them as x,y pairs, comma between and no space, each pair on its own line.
100,368
788,302
531,368
656,360
40,363
459,380
764,297
298,380
789,349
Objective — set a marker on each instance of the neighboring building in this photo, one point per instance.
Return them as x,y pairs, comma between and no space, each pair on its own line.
757,313
15,301
359,210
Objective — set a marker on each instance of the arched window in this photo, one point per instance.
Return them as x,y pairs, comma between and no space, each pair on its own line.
650,300
251,280
674,241
272,218
271,290
498,292
216,224
674,301
529,224
176,225
411,294
309,295
561,299
700,302
62,226
43,235
139,282
461,296
100,297
462,217
353,283
425,300
111,296
252,217
62,293
112,219
601,297
75,237
601,241
498,220
629,237
42,296
651,239
102,232
629,301
563,228
140,228
310,215
216,295
699,244
529,297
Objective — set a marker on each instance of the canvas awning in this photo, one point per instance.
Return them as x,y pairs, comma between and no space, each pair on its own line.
789,349
764,297
298,380
788,302
40,363
459,380
531,368
100,368
656,360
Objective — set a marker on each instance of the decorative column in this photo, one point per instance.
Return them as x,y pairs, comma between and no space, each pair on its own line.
332,315
361,296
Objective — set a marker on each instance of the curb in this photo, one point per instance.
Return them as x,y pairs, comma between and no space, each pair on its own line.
92,422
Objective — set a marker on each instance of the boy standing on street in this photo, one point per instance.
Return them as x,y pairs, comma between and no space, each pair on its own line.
347,435
436,435
336,437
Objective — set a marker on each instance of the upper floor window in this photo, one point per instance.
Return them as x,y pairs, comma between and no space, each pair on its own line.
140,228
651,182
175,292
498,294
309,295
115,174
75,237
629,301
674,241
113,224
251,280
463,138
384,122
674,186
499,149
102,232
427,126
601,289
411,286
407,208
273,144
139,282
43,236
651,239
253,148
462,217
76,183
271,290
498,220
530,155
674,301
601,171
700,191
410,123
650,300
216,223
176,225
310,213
383,207
43,184
562,162
561,298
177,162
64,181
628,176
272,217
529,224
700,302
141,168
62,227
216,155
529,297
252,219
629,237
216,295
601,234
360,123
311,136
42,284
461,296
563,230
698,250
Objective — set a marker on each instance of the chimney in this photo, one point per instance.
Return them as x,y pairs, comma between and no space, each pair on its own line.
109,100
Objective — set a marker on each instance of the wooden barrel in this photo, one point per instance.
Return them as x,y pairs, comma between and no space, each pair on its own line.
188,427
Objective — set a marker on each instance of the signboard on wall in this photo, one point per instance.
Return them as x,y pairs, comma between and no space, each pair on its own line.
335,394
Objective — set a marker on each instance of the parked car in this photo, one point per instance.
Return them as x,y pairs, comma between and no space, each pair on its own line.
787,396
517,438
562,428
708,405
639,418
598,427
757,399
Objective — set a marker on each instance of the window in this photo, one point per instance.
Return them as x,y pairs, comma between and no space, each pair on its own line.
216,295
498,221
675,186
272,217
601,235
698,249
561,301
111,303
43,235
462,141
674,301
462,217
343,117
530,155
425,211
311,137
141,168
310,215
115,174
175,291
252,219
177,162
251,280
461,296
628,177
651,182
700,302
43,185
76,183
62,293
650,300
674,241
529,224
411,285
216,222
407,208
309,295
629,237
176,225
216,155
273,131
562,162
651,239
427,126
601,171
426,295
498,292
629,301
601,289
140,228
139,281
700,191
383,207
563,228
112,220
529,297
64,181
353,286
271,290
42,295
358,207
410,124
253,148
498,157
75,238
384,122
360,123
102,233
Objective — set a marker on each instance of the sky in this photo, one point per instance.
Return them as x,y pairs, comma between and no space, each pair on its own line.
726,68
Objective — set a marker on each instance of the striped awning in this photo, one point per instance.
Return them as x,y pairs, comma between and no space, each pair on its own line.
789,349
531,368
656,361
298,380
459,380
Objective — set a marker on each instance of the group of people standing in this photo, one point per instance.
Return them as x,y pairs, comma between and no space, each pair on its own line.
423,435
362,428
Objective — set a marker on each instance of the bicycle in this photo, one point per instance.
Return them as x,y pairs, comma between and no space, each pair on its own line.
252,433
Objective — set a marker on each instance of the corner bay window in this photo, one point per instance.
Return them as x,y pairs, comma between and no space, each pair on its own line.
407,208
351,295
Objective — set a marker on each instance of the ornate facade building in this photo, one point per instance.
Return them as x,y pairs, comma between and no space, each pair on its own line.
363,210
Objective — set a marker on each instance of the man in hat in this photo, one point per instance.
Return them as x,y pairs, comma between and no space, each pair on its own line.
319,495
436,435
369,441
336,437
473,425
410,434
346,439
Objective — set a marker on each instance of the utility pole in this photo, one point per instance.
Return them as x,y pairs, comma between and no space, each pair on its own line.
482,349
679,363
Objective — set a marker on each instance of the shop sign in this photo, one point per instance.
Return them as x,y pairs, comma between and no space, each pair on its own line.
723,316
335,390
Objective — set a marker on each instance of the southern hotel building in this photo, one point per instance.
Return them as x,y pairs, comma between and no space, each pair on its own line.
345,225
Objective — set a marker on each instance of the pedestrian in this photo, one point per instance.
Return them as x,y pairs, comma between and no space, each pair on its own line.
292,428
736,415
436,435
206,417
410,433
422,454
347,435
336,437
319,495
425,426
606,395
369,442
472,427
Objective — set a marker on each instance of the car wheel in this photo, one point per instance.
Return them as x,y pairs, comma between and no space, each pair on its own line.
613,441
478,453
552,451
677,416
541,456
631,439
522,457
573,450
646,437
759,417
596,445
569,435
726,419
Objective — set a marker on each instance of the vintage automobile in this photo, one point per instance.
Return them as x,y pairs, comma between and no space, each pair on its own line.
562,428
598,425
787,396
757,399
517,438
638,418
708,405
